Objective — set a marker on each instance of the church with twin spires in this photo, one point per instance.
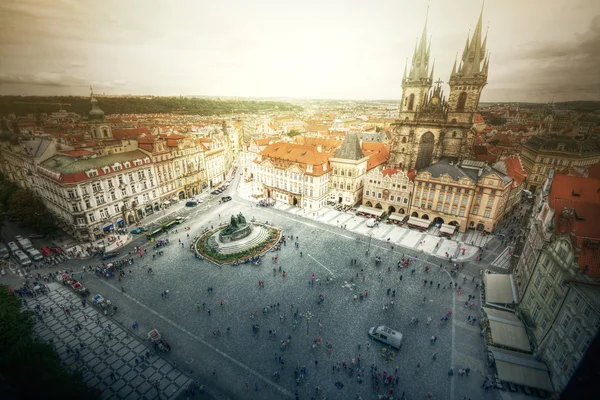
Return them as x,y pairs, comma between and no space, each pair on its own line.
431,127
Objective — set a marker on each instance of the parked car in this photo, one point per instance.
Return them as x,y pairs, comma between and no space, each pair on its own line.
191,203
225,199
138,230
214,192
37,236
12,246
371,223
387,336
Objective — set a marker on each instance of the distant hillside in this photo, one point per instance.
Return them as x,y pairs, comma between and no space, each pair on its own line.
138,105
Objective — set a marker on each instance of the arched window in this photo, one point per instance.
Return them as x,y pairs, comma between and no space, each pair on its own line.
403,140
411,101
454,134
462,99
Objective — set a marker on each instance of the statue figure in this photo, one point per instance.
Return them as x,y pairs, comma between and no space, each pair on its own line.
233,223
241,220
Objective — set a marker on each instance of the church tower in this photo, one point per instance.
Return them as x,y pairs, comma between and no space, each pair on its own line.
417,83
99,127
467,81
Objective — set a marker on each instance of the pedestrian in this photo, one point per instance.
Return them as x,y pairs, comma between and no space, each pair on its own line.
467,370
317,364
214,373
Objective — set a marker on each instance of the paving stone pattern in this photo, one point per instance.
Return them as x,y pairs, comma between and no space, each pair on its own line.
105,350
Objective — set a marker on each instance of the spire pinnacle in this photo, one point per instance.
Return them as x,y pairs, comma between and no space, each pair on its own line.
432,68
405,67
454,67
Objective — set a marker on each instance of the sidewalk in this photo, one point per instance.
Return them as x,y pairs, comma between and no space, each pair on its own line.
425,242
104,352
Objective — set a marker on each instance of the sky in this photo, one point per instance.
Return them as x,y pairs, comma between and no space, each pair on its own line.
344,49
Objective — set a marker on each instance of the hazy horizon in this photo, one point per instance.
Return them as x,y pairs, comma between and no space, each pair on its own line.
336,50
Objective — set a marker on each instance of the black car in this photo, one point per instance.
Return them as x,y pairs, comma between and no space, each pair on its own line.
225,199
37,236
108,256
191,203
214,192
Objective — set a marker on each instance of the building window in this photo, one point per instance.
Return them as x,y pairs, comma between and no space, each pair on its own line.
476,210
538,280
544,323
487,213
575,334
554,302
490,202
379,195
80,221
461,212
117,208
91,217
446,209
554,345
536,312
586,312
585,345
75,207
391,198
565,321
577,299
438,208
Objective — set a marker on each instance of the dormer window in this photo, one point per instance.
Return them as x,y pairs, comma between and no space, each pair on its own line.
92,173
127,164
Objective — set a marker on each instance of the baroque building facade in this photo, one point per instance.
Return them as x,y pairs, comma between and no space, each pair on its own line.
430,127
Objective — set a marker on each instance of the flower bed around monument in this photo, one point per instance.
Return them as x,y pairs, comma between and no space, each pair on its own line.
206,251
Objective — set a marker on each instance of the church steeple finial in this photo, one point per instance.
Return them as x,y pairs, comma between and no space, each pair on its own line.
454,67
419,70
474,52
405,67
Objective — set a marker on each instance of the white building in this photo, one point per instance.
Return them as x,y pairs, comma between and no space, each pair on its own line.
294,174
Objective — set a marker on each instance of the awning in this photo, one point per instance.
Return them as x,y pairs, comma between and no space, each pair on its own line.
167,203
499,289
120,220
521,369
107,227
370,210
396,217
447,229
418,222
149,206
507,330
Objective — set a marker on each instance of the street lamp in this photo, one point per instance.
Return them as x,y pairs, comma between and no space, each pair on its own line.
370,238
308,316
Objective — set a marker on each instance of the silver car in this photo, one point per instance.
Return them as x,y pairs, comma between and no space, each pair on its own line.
387,336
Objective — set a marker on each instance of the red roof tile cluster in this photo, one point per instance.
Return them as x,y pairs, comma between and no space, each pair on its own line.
576,202
378,153
130,133
514,169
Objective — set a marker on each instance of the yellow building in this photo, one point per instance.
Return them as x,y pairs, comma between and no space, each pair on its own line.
540,154
388,189
466,195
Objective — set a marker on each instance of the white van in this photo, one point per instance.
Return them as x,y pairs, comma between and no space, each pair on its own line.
22,258
13,247
371,222
25,243
387,336
35,254
4,251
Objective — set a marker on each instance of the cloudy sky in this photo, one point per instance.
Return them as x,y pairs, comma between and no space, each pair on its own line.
354,49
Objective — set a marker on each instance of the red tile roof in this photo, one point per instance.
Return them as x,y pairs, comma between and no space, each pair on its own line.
378,153
130,133
514,169
581,195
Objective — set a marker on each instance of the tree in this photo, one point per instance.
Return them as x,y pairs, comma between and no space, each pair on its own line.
293,133
30,368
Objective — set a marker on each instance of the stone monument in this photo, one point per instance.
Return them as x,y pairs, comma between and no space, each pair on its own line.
237,229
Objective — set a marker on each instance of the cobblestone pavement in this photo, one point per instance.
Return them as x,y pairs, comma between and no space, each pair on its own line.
241,357
107,355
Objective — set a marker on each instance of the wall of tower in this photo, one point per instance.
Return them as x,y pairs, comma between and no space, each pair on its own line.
465,115
420,92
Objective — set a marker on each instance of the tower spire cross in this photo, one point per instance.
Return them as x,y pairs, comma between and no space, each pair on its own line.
439,81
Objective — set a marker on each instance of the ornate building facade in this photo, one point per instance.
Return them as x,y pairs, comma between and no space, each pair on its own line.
429,127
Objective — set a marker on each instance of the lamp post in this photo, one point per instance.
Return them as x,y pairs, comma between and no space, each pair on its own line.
370,238
308,316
